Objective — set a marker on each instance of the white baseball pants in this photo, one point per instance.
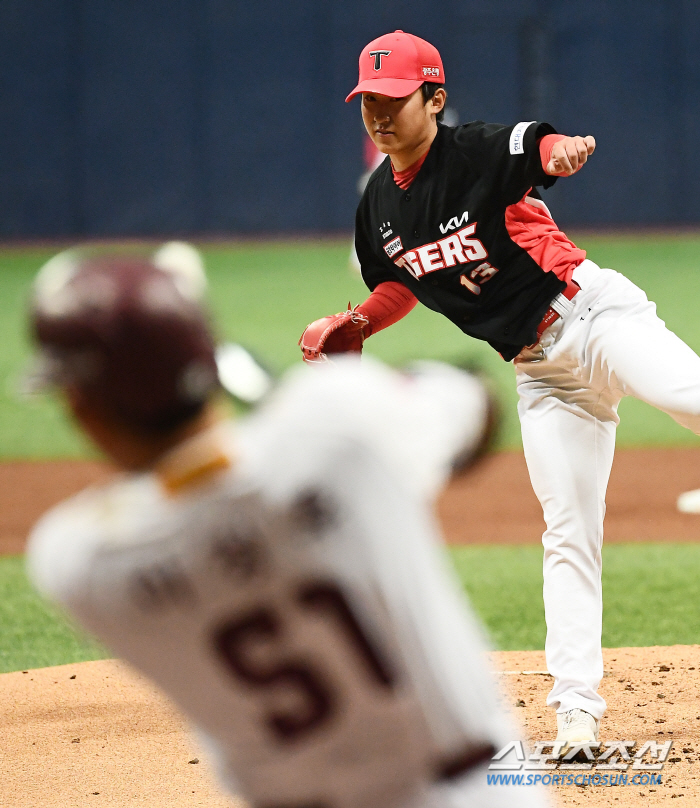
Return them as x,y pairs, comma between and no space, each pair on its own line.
609,344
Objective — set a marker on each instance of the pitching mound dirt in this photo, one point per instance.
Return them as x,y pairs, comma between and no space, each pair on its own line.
97,734
652,695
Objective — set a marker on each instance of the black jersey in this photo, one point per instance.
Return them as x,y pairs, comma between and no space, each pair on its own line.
446,238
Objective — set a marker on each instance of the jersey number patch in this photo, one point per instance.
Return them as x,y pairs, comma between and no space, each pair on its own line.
473,280
239,642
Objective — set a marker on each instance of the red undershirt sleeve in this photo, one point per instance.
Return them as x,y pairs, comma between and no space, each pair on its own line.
546,145
388,303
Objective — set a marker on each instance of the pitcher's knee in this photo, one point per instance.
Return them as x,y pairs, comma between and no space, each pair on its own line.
574,533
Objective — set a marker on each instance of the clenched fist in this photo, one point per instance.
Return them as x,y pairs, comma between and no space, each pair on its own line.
569,154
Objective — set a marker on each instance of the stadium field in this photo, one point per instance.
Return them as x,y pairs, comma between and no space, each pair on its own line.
647,602
263,294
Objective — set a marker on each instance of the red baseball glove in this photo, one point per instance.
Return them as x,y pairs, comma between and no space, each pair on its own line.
340,333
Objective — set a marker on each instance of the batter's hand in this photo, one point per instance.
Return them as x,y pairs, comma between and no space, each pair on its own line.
569,154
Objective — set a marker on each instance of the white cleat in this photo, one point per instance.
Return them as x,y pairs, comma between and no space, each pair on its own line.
575,727
689,502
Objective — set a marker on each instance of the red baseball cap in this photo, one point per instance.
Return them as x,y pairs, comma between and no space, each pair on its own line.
397,64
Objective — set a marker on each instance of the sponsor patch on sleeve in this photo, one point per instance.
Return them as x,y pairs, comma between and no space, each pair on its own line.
393,247
517,137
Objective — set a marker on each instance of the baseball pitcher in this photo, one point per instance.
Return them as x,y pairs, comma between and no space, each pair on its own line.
453,219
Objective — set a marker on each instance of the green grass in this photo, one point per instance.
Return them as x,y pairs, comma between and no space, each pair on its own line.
649,600
34,633
264,294
649,593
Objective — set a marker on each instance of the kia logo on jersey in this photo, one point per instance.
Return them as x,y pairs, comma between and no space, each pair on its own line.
378,58
455,222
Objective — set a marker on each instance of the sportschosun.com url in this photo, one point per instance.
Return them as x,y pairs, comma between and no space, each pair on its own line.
574,779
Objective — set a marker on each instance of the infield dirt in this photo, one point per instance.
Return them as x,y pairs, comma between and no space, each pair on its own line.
97,734
492,504
646,702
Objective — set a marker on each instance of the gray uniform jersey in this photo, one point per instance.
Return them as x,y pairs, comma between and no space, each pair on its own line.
282,582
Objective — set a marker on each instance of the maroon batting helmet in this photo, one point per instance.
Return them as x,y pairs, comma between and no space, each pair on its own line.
127,335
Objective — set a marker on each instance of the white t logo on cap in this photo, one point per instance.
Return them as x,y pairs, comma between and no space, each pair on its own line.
378,58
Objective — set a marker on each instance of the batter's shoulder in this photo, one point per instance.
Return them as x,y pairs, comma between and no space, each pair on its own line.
65,539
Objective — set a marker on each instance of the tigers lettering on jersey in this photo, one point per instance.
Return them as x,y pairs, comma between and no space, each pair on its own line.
457,248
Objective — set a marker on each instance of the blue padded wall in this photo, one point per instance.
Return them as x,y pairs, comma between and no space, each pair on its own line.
146,117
